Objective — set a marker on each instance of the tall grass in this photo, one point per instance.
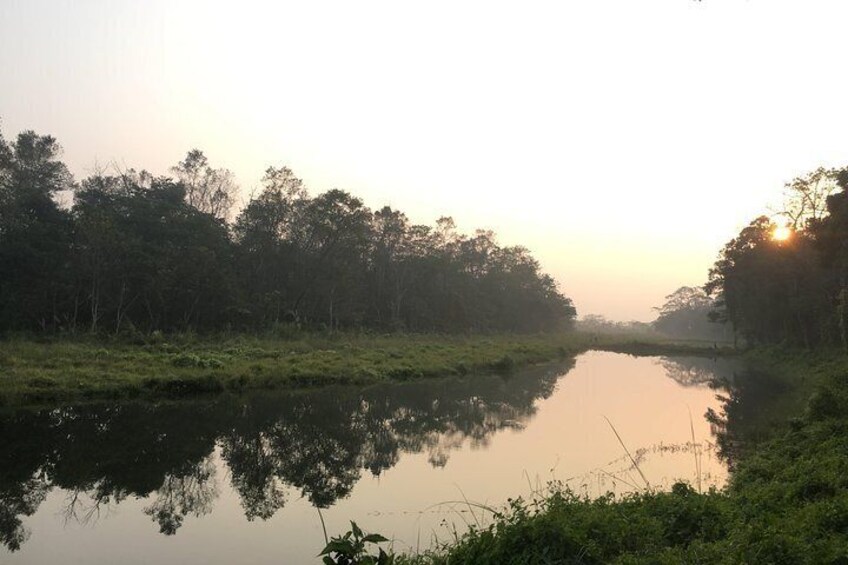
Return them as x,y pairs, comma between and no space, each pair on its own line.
185,364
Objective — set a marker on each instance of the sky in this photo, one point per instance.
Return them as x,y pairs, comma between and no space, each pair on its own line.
623,142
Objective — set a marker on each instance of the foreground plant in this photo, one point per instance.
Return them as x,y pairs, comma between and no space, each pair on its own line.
350,549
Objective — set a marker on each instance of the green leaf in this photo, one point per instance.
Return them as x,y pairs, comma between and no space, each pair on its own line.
374,538
337,545
355,529
384,558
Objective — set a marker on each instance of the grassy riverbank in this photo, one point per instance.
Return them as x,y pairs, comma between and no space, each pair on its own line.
787,501
182,365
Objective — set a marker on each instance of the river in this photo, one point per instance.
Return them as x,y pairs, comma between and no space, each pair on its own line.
249,479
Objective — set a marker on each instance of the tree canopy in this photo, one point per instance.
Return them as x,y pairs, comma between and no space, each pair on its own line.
136,252
790,287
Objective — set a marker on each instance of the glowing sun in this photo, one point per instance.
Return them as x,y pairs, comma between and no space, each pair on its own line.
781,233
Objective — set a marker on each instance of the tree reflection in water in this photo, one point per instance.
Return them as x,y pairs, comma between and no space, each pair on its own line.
754,407
700,371
190,493
752,401
318,442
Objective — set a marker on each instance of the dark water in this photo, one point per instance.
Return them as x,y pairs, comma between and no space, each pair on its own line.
241,479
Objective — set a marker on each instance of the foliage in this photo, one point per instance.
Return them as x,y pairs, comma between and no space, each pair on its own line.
792,291
35,234
350,549
787,500
212,191
138,254
805,197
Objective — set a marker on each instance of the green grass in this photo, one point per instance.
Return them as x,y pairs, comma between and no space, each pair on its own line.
181,365
786,502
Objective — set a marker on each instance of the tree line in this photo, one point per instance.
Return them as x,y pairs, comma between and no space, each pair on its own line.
130,251
784,280
689,312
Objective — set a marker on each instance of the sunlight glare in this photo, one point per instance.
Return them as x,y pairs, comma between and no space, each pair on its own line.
781,233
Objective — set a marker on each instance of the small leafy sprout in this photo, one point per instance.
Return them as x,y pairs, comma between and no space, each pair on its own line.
349,549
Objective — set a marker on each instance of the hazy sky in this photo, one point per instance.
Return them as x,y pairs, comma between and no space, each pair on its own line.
623,142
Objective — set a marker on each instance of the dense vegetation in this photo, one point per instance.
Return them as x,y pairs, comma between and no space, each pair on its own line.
792,289
133,253
787,501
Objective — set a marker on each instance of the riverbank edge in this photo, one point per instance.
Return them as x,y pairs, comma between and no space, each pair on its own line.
62,370
786,502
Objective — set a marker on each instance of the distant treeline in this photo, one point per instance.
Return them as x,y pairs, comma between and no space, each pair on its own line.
598,324
134,252
786,281
688,313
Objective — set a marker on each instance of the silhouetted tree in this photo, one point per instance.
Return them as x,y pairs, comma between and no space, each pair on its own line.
146,258
137,252
35,233
212,191
792,290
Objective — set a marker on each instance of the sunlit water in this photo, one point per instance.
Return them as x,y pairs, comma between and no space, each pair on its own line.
240,480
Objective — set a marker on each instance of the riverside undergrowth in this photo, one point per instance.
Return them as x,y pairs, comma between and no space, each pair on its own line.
786,501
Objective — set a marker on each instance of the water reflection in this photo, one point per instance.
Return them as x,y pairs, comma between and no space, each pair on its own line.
318,442
271,458
700,371
753,405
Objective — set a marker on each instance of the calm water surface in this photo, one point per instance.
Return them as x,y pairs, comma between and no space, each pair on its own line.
241,479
